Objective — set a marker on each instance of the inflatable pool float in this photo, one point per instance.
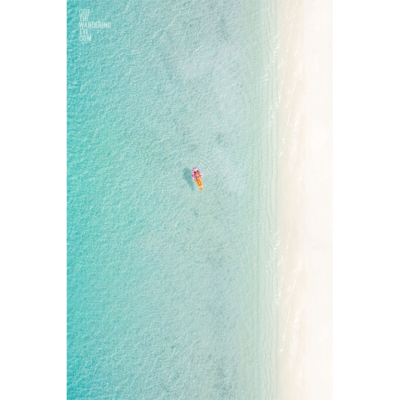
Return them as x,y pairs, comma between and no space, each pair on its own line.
198,177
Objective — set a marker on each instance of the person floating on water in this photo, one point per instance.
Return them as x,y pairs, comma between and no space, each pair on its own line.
198,177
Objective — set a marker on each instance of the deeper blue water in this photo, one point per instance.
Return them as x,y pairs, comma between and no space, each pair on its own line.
170,289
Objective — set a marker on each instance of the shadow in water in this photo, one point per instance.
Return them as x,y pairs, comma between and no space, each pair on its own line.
187,175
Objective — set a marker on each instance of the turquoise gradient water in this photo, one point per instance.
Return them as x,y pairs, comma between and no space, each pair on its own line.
171,290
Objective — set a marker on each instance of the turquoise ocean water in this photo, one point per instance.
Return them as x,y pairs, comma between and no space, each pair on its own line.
172,291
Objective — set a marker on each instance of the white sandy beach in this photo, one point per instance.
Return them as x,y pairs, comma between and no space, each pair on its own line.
305,200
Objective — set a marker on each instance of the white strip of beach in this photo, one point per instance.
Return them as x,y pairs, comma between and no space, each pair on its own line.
305,200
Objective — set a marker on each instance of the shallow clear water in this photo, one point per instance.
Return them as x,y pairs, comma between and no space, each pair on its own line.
170,289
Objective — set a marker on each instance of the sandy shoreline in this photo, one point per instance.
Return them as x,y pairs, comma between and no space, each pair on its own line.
305,200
